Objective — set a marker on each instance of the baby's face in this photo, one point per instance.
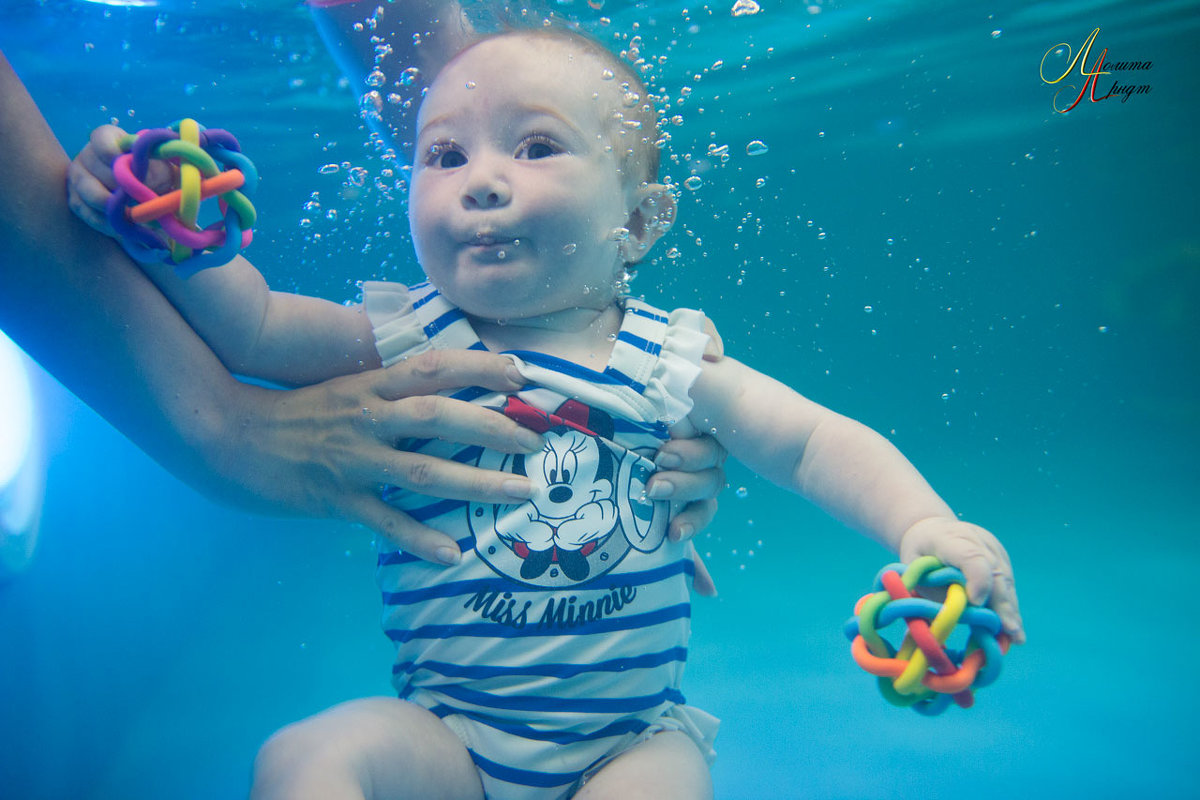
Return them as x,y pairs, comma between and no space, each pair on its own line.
516,191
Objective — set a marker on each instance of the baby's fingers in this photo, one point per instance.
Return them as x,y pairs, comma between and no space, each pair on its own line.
103,147
715,349
975,551
1004,603
86,197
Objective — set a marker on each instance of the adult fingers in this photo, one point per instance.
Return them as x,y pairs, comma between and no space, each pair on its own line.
437,370
686,486
703,582
692,518
444,478
436,417
689,455
403,531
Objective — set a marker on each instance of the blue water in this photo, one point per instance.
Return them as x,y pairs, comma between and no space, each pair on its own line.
1008,293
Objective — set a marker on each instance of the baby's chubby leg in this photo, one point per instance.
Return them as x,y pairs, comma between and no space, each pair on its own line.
668,766
373,748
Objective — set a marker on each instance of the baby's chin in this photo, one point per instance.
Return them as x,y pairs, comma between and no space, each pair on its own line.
541,315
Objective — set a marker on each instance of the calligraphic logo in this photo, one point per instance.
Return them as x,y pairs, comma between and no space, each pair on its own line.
1090,76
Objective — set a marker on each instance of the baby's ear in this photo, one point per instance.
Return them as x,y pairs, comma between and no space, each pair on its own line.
648,221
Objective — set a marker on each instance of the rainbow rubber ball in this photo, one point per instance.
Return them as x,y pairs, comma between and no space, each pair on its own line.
923,672
165,228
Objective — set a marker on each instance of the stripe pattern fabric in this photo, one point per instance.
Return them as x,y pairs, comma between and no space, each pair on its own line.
548,650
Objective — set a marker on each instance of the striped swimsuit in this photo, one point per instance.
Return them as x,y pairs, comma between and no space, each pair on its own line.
559,641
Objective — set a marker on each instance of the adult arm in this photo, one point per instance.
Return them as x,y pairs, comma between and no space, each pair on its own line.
72,299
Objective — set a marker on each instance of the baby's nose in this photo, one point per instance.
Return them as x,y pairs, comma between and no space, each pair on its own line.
486,188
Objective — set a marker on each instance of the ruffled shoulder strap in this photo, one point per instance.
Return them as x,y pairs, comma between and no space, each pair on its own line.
408,320
657,354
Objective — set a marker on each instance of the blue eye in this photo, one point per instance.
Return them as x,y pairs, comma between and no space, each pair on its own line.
538,146
451,158
445,155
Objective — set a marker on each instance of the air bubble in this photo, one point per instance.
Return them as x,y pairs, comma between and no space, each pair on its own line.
469,84
569,249
742,492
756,148
329,169
744,8
607,75
693,183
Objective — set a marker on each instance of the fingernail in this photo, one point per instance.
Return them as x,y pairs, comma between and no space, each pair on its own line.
685,532
668,461
448,556
529,440
514,374
661,490
518,489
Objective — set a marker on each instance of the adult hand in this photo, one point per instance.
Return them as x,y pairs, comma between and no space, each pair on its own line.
327,450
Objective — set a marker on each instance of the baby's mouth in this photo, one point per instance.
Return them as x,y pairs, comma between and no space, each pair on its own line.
486,239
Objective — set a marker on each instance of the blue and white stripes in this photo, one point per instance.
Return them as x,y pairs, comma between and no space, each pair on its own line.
541,680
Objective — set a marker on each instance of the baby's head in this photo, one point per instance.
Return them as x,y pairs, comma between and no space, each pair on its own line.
534,182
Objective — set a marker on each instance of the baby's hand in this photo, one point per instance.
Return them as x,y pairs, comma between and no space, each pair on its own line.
90,179
979,555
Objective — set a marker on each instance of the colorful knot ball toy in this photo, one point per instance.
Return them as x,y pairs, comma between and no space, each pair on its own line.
923,672
164,228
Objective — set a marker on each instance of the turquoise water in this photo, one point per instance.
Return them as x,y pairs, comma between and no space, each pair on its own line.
1008,293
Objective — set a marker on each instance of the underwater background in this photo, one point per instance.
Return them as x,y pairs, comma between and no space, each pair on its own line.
880,206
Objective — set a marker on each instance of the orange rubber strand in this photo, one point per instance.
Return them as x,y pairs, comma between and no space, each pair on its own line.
168,203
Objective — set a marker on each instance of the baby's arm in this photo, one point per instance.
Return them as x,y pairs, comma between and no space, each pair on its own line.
286,338
852,473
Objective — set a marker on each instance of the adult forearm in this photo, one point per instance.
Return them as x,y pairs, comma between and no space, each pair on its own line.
72,299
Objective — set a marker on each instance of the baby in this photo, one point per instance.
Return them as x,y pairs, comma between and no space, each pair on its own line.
544,658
